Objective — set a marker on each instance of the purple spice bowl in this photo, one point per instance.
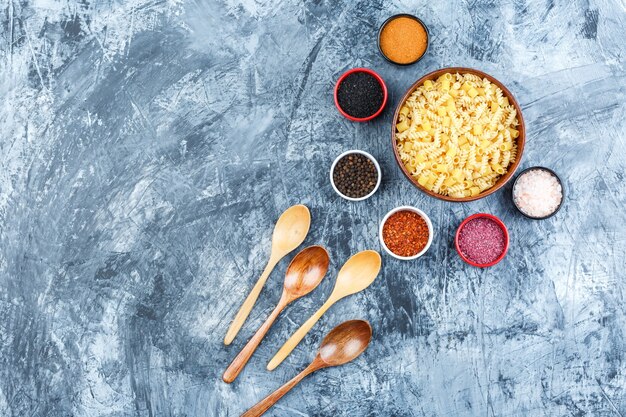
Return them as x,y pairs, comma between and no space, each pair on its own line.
502,242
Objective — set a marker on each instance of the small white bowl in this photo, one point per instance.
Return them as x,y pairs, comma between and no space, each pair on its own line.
332,169
428,223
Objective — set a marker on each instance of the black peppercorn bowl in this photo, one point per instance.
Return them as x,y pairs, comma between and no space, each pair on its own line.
368,156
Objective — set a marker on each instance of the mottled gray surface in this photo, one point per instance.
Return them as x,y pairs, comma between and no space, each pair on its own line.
147,148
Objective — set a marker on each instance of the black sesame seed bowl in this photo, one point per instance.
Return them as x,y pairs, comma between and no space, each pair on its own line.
355,175
360,94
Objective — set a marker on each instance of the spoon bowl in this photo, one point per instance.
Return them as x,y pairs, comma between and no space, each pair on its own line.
345,342
306,271
357,273
291,229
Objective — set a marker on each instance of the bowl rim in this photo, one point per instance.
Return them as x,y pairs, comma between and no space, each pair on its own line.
482,216
366,154
431,232
521,140
380,81
395,16
537,167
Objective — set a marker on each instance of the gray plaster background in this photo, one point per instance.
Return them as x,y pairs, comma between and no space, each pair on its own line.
148,146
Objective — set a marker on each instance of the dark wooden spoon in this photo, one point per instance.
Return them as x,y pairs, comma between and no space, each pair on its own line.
303,275
343,344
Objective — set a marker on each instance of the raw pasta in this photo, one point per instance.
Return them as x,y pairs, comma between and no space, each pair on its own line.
456,135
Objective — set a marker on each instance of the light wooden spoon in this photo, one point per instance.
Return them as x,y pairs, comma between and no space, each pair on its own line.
303,275
343,344
355,275
290,230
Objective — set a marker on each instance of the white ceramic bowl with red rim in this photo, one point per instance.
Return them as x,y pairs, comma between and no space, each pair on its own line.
380,81
496,220
367,155
423,216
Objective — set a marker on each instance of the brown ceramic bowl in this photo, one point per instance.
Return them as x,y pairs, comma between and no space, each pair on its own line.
521,139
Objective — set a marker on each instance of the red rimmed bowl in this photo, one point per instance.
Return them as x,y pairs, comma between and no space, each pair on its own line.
380,81
496,220
521,139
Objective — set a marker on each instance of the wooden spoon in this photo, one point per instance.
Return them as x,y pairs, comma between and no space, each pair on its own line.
343,344
355,275
290,230
303,275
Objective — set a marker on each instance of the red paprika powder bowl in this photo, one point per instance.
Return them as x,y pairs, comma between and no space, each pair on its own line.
482,240
406,233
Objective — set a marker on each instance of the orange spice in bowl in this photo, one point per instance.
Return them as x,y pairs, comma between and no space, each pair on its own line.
403,39
406,233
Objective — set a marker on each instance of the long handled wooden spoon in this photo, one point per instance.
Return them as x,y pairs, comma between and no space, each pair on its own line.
343,344
355,275
290,230
303,275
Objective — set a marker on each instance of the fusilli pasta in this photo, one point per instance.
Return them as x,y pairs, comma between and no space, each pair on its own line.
456,134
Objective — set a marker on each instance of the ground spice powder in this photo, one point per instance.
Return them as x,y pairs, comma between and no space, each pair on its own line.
405,233
482,241
403,40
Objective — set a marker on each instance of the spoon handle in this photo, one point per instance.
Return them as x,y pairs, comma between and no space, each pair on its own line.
262,406
244,356
295,339
247,305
